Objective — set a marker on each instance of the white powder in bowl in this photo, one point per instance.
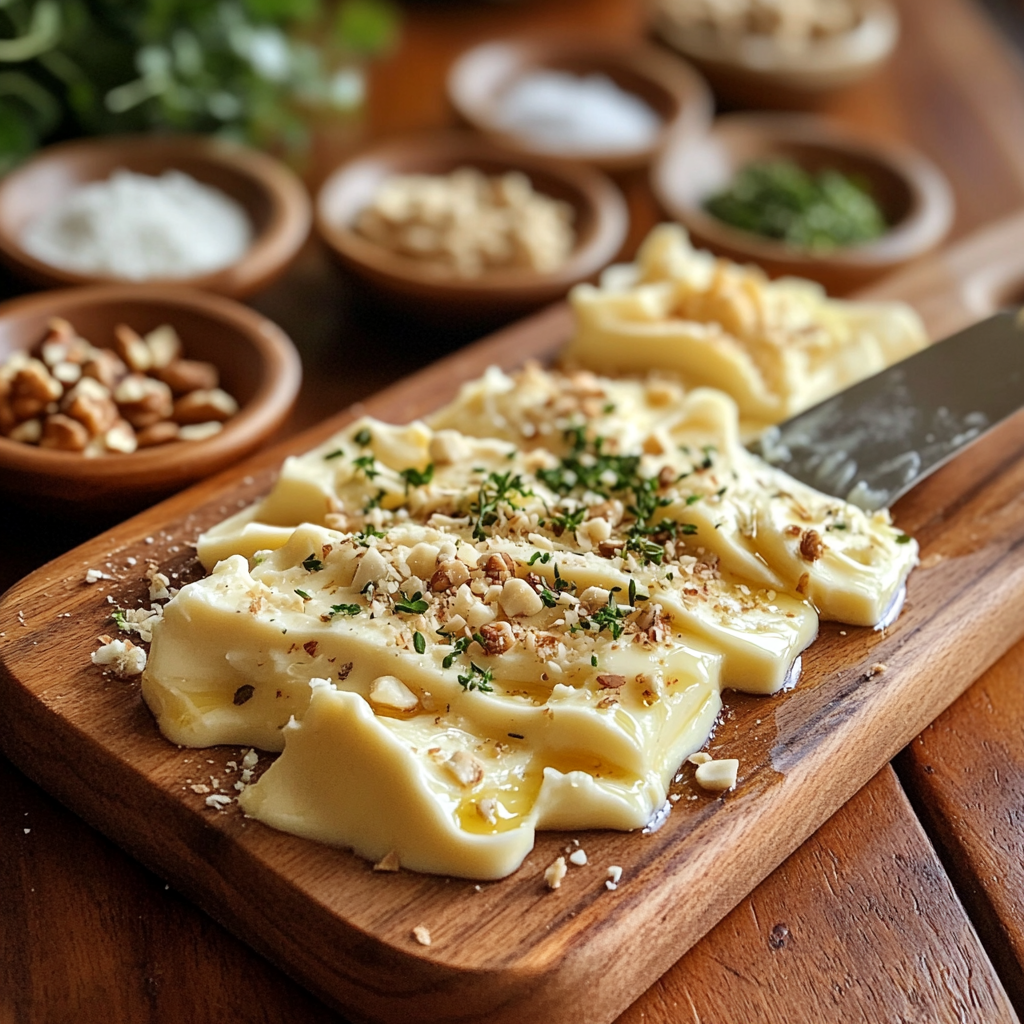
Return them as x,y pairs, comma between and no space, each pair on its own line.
561,112
139,227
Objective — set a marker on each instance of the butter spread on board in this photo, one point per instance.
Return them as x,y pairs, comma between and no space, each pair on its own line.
778,347
518,615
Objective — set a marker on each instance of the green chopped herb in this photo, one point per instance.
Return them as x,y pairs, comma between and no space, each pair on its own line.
336,454
609,408
374,502
688,529
303,594
517,735
477,679
414,478
412,606
540,556
593,660
458,648
363,537
345,609
839,526
494,491
120,621
818,211
419,641
367,463
632,591
609,617
549,599
363,438
693,499
569,521
312,564
903,539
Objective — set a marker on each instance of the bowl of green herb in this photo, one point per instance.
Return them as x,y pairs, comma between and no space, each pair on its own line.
801,195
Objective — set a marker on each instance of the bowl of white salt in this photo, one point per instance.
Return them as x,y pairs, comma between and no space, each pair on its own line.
189,210
606,105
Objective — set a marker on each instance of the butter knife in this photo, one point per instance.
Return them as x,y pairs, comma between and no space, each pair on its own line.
874,441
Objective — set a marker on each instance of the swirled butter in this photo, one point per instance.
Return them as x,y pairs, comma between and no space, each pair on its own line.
518,615
778,347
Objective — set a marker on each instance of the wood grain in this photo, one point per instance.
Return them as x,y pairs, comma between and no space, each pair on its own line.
863,903
584,953
966,775
954,90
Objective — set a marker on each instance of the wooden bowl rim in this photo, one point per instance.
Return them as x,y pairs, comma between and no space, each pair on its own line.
925,224
280,376
866,44
593,189
681,83
271,250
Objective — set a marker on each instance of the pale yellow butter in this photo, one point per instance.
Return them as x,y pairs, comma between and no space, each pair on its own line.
585,656
777,347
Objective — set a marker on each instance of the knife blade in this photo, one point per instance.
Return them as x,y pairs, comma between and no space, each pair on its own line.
874,441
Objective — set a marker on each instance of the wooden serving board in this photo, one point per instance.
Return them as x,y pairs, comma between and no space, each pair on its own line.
512,951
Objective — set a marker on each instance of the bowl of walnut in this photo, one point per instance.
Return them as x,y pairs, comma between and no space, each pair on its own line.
113,396
454,224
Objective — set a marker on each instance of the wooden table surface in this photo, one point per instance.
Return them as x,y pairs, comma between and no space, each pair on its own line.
907,906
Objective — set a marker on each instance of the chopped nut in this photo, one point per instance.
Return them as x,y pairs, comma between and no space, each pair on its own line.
132,349
488,810
578,857
877,669
421,934
164,346
498,637
243,694
666,477
27,432
701,757
90,403
519,598
185,375
218,801
143,400
555,872
390,862
105,367
122,656
608,681
499,567
120,438
803,583
811,546
391,692
157,433
204,406
199,431
450,575
467,769
63,434
718,775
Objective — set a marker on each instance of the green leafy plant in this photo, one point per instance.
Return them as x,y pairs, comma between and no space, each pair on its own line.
257,70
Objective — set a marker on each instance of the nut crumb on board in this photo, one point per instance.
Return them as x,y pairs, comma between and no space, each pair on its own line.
389,862
555,872
421,933
718,775
122,656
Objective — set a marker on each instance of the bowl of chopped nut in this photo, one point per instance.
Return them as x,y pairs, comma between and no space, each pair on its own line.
188,210
112,396
788,55
610,106
799,194
453,224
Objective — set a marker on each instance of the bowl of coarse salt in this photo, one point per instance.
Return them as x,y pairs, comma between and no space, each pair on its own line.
611,106
189,210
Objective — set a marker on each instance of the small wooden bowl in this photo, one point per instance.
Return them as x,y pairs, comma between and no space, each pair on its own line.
601,221
756,71
258,366
668,85
275,200
914,196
